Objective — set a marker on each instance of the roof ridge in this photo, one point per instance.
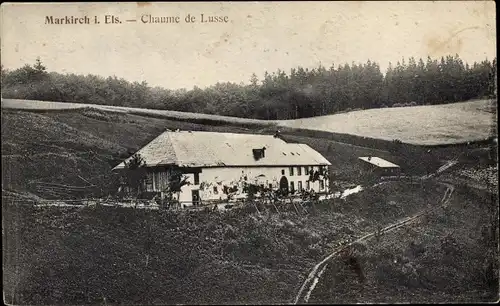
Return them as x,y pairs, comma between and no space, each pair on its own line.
170,142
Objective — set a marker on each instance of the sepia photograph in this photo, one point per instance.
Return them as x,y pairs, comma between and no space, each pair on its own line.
213,153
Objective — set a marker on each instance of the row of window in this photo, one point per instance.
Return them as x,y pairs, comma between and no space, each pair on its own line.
308,186
153,180
292,186
291,170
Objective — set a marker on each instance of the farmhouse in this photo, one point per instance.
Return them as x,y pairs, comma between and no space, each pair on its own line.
219,166
379,166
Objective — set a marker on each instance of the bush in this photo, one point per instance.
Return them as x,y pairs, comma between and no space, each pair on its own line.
97,114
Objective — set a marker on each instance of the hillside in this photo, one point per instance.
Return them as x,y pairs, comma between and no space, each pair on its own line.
79,147
166,114
159,257
419,125
450,255
75,147
90,255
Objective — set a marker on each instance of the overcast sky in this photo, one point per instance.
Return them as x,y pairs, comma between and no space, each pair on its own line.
258,37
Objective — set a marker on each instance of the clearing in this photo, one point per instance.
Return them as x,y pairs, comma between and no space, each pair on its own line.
419,125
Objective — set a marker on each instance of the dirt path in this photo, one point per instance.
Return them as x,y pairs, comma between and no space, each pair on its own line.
314,276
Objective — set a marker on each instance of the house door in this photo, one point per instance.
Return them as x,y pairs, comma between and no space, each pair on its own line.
284,185
195,194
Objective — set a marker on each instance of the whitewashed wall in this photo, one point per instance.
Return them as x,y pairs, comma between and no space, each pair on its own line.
212,181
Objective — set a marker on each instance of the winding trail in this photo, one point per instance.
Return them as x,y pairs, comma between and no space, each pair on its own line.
314,276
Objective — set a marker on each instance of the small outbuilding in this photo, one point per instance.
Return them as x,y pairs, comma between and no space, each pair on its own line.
379,166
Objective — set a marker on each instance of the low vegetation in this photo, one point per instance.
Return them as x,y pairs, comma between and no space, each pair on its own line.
73,255
449,255
419,125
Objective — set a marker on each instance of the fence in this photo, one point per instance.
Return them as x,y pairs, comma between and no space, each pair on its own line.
152,204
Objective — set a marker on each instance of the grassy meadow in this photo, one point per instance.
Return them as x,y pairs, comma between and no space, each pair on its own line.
418,125
450,255
96,254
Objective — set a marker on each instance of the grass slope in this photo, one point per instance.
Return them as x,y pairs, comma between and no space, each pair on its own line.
448,256
80,147
76,147
93,255
419,125
34,105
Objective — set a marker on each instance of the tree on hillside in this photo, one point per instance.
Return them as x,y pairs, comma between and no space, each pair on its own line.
39,67
135,173
301,93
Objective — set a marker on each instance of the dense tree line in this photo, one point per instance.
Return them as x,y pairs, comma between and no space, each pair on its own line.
279,95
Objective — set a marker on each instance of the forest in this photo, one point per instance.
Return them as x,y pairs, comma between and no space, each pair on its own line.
301,93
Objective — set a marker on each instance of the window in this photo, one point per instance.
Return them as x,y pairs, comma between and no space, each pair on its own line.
215,190
196,178
149,182
322,169
258,153
283,172
270,186
308,185
299,186
292,187
156,185
321,185
291,171
306,170
299,170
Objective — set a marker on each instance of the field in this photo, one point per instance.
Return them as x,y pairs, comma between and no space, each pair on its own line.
450,255
165,114
126,256
419,125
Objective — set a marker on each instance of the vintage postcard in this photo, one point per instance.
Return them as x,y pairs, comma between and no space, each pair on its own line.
249,153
